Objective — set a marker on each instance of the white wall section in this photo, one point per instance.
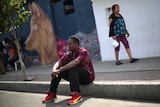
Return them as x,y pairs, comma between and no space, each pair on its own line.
142,21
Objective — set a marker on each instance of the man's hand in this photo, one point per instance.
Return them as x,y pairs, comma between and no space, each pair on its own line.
55,73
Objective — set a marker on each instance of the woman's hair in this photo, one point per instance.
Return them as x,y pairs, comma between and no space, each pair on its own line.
75,39
114,6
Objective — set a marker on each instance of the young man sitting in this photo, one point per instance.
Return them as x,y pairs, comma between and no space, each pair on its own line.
76,67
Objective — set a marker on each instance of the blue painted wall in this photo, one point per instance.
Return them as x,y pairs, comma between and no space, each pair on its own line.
65,25
84,16
81,20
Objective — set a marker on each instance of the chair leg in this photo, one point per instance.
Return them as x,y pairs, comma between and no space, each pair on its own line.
15,66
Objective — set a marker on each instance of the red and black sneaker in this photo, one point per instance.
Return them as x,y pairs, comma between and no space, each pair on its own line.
51,96
76,97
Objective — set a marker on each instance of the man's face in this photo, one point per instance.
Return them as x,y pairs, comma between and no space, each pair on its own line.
116,10
72,45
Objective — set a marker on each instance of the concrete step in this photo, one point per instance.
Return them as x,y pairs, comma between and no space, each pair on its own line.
140,90
24,99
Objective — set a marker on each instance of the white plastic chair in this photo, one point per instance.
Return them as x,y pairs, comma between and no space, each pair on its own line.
16,64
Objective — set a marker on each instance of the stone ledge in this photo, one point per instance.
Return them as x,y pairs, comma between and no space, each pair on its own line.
141,90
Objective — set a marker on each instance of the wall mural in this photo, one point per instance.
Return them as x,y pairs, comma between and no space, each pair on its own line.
91,43
49,46
41,37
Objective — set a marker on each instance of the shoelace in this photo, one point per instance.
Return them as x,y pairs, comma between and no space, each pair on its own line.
74,95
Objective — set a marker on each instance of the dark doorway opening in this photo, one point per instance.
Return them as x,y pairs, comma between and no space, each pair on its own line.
54,1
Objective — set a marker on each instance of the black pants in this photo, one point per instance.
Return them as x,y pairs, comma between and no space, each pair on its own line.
76,76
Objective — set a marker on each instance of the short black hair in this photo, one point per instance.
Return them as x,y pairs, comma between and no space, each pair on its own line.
75,39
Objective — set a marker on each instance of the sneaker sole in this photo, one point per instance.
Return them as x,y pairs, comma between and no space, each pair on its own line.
119,64
49,100
76,102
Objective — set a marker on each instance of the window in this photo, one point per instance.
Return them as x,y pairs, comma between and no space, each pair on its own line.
54,1
68,7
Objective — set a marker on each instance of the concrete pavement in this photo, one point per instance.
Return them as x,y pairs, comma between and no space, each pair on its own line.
21,99
140,80
144,69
